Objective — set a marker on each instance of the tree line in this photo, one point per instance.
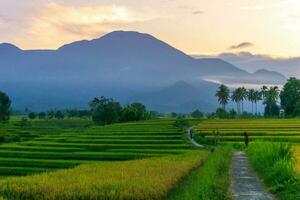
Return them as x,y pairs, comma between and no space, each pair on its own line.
102,111
108,111
287,100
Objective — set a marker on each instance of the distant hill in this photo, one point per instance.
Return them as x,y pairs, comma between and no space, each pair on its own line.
120,64
252,62
181,97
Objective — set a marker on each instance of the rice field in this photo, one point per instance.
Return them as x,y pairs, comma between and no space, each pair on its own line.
277,130
151,178
61,146
297,157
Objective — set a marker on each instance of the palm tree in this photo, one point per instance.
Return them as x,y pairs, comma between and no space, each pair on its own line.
257,96
235,97
223,95
270,97
243,96
264,90
251,97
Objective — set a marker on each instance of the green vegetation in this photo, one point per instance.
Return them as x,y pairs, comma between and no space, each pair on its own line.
5,103
297,157
223,95
141,179
55,144
108,111
290,97
274,163
209,182
232,130
289,100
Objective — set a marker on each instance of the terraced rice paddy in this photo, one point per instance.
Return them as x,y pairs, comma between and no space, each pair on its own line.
68,147
14,132
151,178
283,130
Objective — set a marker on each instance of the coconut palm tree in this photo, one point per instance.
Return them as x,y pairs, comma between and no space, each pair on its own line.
235,97
264,90
250,96
243,96
270,99
257,96
223,95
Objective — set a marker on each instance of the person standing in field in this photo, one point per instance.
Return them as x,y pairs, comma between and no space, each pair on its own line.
246,139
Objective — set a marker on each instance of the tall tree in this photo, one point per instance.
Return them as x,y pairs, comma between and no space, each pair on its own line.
270,101
250,96
223,95
243,95
290,96
105,111
235,97
257,96
5,104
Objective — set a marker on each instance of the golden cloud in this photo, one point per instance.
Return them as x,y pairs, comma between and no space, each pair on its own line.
59,24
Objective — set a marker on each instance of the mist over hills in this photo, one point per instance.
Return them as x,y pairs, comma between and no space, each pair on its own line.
128,66
289,67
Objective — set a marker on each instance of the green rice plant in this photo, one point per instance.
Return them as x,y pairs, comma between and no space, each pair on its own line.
297,158
280,130
141,179
209,182
61,143
275,164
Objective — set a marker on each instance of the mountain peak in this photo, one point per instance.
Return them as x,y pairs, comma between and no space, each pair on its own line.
129,34
267,72
273,76
115,38
7,47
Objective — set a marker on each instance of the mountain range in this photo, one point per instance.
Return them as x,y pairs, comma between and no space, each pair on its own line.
125,65
288,66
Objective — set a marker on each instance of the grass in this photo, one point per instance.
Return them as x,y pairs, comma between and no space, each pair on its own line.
209,182
275,164
138,179
277,130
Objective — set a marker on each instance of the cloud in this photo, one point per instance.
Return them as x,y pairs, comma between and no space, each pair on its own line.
254,7
197,12
241,45
57,24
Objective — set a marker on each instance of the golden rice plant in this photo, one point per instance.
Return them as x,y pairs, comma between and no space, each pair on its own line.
138,179
297,157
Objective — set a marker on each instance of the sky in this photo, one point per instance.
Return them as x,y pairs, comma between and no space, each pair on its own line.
210,27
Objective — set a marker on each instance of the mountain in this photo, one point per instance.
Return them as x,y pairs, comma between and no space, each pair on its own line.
181,97
270,76
120,64
289,67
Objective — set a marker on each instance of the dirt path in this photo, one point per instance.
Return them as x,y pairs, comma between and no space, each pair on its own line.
245,185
